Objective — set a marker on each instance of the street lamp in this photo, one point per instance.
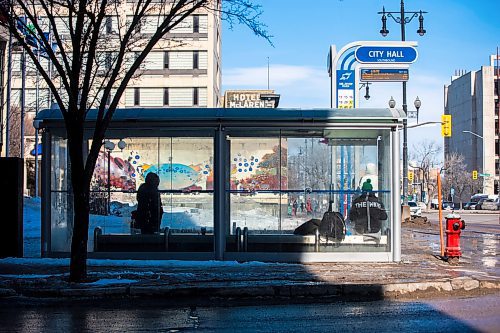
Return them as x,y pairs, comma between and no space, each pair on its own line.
417,104
392,103
483,158
402,19
367,87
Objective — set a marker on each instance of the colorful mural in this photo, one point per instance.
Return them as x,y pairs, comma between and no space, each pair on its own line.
256,172
127,174
122,173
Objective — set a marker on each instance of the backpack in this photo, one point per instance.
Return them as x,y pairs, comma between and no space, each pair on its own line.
307,228
332,225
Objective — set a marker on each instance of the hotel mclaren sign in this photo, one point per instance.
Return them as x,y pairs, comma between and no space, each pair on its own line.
251,99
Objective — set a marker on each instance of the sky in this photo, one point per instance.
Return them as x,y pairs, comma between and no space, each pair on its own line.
461,35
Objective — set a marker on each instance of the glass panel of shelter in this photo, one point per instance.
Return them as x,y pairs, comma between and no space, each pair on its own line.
292,180
61,205
184,166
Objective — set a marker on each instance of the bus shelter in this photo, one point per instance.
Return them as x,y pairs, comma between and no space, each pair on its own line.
235,184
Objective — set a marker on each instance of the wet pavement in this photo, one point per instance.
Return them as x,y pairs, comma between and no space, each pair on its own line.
437,315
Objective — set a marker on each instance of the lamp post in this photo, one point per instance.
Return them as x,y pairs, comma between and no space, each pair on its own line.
417,103
483,158
402,19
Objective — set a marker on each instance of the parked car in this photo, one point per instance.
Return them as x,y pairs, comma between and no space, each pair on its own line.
470,205
447,205
487,204
422,205
415,210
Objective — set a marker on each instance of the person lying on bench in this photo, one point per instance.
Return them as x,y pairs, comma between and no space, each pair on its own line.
149,208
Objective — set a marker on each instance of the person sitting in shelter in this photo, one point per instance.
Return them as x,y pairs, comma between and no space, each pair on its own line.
366,213
367,185
149,209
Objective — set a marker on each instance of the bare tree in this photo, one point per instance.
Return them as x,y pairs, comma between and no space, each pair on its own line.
93,72
15,141
456,177
424,155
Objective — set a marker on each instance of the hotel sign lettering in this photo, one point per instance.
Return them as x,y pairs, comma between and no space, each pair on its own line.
246,99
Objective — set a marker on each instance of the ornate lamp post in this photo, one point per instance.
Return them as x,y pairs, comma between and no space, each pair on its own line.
402,19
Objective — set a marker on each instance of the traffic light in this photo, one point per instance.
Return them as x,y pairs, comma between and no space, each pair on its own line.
446,125
410,176
474,174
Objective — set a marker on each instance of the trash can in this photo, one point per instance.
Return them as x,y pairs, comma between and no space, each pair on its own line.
11,208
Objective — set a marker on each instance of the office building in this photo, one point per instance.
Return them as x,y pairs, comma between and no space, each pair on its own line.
183,69
472,100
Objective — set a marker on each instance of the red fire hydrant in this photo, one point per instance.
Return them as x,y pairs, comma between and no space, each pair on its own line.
454,226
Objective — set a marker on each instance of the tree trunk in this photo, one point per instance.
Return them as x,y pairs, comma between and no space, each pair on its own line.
80,189
78,264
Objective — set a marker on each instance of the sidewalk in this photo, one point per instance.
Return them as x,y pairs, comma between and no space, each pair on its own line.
420,274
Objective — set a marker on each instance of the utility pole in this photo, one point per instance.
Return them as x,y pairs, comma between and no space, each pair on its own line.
403,20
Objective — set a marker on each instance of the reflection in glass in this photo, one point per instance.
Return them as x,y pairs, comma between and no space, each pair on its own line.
292,184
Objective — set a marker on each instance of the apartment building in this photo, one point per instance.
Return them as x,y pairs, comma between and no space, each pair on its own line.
183,69
472,100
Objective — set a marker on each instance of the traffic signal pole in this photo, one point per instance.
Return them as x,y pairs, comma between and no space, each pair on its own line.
440,205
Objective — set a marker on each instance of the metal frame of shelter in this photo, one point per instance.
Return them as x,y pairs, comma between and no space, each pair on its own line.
221,124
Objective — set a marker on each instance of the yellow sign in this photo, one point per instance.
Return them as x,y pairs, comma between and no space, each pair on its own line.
474,174
446,125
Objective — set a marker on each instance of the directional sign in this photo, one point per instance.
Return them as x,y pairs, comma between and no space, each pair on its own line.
386,54
345,89
384,74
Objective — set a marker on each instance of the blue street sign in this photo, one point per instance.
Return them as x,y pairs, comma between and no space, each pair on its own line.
386,54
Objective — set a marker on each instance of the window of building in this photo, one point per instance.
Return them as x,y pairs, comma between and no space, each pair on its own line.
137,97
149,24
165,59
165,96
196,23
107,60
196,60
61,25
203,24
180,60
203,59
184,27
195,96
153,61
180,97
109,25
151,97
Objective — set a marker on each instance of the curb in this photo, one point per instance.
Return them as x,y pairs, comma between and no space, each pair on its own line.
459,286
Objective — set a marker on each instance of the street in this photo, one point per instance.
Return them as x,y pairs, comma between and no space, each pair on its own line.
437,315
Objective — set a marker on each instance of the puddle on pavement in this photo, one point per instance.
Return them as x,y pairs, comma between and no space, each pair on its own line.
479,251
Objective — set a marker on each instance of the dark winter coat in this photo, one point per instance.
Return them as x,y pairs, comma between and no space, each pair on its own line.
149,210
359,213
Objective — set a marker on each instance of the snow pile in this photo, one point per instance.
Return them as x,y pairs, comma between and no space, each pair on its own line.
107,282
136,263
